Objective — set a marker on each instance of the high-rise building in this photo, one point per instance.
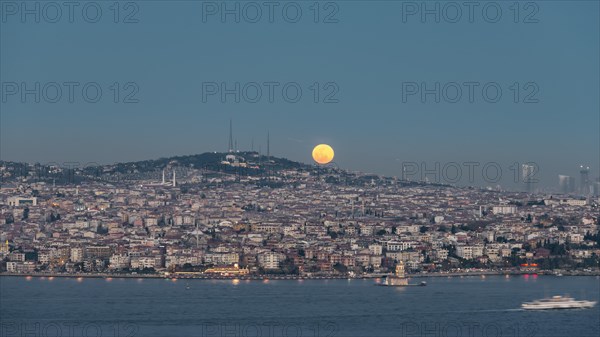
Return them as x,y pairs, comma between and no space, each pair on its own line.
527,174
596,187
584,180
566,184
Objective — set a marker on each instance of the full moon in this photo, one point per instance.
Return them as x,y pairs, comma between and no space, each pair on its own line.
322,154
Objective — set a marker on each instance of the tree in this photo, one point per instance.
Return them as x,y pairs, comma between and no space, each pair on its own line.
288,267
340,268
101,230
54,217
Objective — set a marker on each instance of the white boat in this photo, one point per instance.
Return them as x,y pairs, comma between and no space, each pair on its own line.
557,302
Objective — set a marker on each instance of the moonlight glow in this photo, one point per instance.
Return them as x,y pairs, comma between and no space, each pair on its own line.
322,154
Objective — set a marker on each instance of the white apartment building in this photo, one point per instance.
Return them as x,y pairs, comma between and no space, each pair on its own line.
469,252
270,260
504,209
119,261
375,249
76,254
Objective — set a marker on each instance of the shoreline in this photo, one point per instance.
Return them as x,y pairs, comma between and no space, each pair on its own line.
294,277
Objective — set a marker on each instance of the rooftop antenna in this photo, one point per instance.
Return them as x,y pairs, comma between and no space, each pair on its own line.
230,136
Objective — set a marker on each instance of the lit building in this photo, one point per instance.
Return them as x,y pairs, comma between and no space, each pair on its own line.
5,248
399,278
228,271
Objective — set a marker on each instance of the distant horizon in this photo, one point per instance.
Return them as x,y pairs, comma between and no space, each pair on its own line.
415,177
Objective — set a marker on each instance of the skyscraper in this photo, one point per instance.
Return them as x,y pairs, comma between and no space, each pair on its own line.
596,187
527,174
584,180
566,184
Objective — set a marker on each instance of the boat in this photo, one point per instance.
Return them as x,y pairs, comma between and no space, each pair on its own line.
558,302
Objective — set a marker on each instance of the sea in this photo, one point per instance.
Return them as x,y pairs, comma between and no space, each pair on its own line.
471,306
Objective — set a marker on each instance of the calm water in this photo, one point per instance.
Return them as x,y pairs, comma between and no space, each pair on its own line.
468,306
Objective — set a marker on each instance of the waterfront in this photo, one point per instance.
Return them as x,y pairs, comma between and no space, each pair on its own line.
467,306
204,276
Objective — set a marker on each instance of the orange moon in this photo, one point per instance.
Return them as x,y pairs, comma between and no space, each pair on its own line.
323,154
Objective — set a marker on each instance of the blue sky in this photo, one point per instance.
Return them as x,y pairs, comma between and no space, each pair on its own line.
369,55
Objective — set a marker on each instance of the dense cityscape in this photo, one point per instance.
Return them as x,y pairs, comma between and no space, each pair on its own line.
246,215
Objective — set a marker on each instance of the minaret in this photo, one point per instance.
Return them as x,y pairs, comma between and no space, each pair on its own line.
174,179
163,177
